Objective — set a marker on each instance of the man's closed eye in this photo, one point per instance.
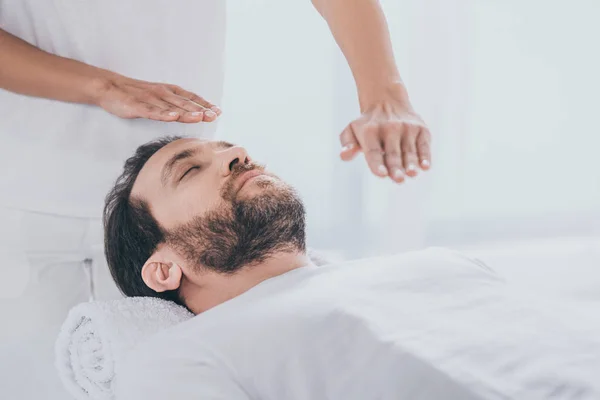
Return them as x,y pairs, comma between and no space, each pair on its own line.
188,171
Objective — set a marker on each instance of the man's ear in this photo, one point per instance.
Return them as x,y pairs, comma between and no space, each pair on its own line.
161,275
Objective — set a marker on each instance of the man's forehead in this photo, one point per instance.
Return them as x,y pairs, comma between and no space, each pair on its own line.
159,158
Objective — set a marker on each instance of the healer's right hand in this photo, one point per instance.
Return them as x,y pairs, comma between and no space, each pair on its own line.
132,98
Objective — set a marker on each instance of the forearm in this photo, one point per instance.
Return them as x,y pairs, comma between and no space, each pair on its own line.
27,70
361,31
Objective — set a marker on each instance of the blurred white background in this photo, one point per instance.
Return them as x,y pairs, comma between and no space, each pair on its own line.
509,89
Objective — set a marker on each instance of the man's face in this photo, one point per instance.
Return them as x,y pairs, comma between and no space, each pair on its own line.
219,209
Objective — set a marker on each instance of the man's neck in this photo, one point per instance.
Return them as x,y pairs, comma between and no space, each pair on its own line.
217,288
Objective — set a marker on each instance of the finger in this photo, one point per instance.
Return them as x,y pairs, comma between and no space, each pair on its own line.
372,149
163,105
155,97
393,155
181,102
190,112
423,148
195,111
195,98
350,147
409,152
150,111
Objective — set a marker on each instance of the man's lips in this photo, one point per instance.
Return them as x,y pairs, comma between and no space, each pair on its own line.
246,176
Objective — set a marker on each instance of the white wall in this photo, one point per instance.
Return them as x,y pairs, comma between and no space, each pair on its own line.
530,162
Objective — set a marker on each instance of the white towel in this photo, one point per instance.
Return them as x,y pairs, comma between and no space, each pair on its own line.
97,335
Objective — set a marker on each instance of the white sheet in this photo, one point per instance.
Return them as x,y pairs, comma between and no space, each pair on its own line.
565,269
426,325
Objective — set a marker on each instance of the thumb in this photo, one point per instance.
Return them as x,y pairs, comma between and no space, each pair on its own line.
350,146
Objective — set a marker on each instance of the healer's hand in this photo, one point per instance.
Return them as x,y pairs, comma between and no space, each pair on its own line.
132,98
391,135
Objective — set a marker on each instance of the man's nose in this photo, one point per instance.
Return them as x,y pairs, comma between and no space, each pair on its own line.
233,156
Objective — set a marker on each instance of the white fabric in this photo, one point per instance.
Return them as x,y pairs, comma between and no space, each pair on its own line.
424,325
62,158
562,268
97,335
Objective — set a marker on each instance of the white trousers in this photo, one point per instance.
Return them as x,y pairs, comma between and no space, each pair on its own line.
48,264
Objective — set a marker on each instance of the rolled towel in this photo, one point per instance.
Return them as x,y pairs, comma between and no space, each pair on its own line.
97,335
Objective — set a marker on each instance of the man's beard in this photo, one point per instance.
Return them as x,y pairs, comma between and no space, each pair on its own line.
243,232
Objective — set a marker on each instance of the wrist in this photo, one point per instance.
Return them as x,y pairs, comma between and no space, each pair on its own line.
392,91
97,86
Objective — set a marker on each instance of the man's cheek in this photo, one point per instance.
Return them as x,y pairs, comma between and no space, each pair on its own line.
199,203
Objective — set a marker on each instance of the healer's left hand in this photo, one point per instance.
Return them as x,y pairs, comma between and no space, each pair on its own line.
391,135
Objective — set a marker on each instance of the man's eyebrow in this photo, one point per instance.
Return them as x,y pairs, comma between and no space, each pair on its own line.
167,170
224,144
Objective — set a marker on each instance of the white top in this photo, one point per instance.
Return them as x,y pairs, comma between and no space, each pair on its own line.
426,325
63,158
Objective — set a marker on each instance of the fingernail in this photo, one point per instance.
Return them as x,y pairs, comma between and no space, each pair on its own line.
210,114
382,170
398,174
425,163
411,167
348,147
216,109
173,114
196,113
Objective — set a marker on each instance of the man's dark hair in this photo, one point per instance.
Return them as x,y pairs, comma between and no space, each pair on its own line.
131,233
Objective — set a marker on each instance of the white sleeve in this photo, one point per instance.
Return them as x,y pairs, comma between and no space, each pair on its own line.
178,379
